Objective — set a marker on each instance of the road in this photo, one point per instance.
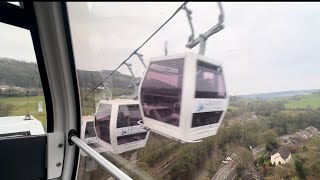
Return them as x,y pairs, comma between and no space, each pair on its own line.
227,172
253,175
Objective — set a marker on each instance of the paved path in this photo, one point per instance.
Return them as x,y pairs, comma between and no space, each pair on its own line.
227,172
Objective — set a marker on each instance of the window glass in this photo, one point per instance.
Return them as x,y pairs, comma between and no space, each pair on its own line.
102,122
21,93
206,118
128,115
272,68
161,91
89,130
131,138
209,82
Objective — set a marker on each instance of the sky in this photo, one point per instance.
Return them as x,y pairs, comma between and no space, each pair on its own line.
265,47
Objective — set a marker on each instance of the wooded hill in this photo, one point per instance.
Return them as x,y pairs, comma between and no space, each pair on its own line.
20,73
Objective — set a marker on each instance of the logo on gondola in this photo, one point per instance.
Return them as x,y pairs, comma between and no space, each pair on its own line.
210,105
200,107
123,132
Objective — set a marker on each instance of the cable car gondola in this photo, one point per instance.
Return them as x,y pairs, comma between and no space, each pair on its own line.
116,125
183,96
88,134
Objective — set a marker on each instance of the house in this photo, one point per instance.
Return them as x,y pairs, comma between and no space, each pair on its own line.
280,156
303,133
4,88
287,141
314,131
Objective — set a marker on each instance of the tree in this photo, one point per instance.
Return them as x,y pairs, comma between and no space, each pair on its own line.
269,139
263,170
5,109
299,168
244,159
261,160
271,145
213,167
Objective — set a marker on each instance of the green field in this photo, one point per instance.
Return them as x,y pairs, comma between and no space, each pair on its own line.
312,100
22,105
233,108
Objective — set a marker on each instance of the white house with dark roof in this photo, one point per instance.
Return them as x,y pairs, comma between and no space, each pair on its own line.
281,156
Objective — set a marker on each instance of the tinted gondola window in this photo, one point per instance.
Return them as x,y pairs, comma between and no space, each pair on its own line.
210,81
131,138
102,122
161,91
128,115
89,130
205,118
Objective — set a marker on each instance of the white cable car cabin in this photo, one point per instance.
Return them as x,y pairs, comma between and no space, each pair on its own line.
183,96
88,134
116,125
16,126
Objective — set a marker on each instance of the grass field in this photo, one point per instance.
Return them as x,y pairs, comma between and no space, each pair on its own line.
312,100
233,108
22,105
293,112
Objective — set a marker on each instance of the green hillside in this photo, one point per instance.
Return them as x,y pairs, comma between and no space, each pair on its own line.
312,100
20,73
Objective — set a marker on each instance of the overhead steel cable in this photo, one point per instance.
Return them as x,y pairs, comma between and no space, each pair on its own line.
136,50
29,89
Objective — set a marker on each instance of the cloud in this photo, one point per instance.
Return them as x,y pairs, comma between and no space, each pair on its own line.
16,43
264,47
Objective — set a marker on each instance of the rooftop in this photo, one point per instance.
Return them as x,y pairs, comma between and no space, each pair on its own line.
283,151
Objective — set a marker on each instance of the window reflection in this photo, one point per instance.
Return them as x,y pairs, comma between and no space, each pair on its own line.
89,130
131,138
206,118
102,122
209,82
161,91
128,115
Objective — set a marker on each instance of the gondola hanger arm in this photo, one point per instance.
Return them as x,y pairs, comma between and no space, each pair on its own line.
203,37
140,56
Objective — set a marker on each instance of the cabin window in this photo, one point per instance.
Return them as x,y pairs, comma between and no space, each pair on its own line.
128,115
209,82
205,118
21,91
89,130
131,138
161,91
102,122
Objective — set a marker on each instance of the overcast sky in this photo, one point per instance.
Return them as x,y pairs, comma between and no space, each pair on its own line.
264,47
